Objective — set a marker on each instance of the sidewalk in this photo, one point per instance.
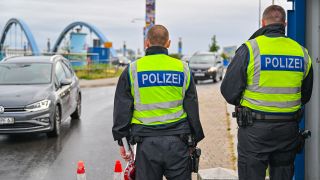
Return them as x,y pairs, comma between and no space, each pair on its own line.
217,147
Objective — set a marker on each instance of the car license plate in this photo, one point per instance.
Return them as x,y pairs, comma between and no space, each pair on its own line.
6,120
199,74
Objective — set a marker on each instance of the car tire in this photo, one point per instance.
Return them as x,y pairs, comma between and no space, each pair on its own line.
215,79
221,75
56,123
196,81
77,113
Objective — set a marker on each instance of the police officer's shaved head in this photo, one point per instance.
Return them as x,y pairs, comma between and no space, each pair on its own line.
274,14
158,35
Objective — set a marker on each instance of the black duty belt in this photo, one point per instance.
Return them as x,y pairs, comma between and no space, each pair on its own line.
261,116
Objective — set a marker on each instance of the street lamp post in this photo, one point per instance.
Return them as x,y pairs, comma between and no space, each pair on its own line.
259,13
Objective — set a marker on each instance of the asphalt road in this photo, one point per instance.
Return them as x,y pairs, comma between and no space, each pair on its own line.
37,157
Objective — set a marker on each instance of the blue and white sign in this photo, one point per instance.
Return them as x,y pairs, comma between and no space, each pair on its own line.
282,63
160,78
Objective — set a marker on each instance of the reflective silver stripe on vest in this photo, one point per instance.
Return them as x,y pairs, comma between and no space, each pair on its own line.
162,118
256,77
142,107
286,104
134,74
306,61
274,90
164,105
257,62
186,76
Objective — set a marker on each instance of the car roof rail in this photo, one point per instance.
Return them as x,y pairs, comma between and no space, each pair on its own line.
10,57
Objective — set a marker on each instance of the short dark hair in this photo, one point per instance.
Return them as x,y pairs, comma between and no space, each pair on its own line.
274,14
158,35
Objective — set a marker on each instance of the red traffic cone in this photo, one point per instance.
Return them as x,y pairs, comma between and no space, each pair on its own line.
81,172
117,171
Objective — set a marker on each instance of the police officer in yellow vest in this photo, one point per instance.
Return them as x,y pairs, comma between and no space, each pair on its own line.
156,105
269,80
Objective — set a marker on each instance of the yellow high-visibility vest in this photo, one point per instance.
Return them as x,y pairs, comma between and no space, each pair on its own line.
275,72
158,85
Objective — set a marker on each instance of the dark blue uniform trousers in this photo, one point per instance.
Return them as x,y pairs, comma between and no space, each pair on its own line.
162,156
266,144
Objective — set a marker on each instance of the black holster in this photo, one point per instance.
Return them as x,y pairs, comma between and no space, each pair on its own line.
196,153
195,159
303,135
243,115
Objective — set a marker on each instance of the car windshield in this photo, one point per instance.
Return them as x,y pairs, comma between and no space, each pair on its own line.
25,73
202,59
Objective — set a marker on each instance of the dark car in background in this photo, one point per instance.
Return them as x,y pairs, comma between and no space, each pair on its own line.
206,65
37,93
123,61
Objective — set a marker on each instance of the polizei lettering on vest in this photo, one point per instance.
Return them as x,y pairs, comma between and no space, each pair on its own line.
282,63
160,78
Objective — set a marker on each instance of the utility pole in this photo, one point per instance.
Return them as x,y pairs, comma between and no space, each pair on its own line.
272,2
180,47
259,13
124,49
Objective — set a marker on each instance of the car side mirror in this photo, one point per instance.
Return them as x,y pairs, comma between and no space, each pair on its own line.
65,82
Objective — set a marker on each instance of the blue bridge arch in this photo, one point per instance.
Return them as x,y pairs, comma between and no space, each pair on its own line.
91,27
25,28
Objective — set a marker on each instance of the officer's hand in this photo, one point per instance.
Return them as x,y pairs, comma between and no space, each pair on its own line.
126,156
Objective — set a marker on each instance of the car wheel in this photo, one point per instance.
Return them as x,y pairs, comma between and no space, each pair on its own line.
77,113
56,123
196,81
215,79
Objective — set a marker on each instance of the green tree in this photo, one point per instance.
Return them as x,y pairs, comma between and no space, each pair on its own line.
213,47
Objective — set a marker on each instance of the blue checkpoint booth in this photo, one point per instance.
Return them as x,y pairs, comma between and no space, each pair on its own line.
304,27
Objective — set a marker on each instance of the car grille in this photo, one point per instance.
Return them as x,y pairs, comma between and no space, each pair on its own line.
18,125
15,109
199,70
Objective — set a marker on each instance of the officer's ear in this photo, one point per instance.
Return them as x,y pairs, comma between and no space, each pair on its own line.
168,43
264,22
147,43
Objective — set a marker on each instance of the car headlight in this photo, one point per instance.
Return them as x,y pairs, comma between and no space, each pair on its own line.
38,106
212,69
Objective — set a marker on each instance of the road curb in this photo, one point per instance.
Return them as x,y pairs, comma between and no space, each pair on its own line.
217,174
98,82
96,85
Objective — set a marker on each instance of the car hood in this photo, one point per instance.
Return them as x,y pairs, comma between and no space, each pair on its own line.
22,95
200,66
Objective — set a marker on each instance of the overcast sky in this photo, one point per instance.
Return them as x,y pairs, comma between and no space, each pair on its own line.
232,21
